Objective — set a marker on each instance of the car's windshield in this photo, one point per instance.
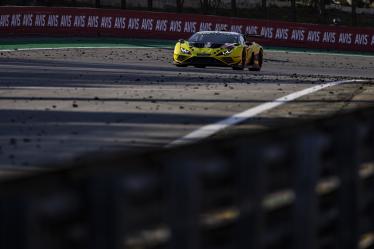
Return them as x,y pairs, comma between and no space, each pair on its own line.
217,38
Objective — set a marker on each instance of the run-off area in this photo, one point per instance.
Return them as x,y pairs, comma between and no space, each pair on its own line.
57,106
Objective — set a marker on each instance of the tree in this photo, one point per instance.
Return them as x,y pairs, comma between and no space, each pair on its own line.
293,10
150,4
211,4
180,4
233,7
123,4
264,8
204,5
354,14
322,10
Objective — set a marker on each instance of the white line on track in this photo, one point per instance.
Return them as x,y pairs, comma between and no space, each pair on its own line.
211,129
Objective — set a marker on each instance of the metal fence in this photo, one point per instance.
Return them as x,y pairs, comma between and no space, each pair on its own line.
310,186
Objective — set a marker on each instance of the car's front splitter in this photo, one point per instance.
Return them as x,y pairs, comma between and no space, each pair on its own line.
207,61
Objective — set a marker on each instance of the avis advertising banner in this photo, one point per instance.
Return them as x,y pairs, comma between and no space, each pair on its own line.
158,25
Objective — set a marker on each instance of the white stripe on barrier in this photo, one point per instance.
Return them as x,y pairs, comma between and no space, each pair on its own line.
209,130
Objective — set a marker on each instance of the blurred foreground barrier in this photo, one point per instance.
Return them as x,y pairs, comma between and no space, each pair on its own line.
308,187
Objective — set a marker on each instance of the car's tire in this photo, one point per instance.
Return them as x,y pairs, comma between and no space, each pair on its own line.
256,69
237,68
260,60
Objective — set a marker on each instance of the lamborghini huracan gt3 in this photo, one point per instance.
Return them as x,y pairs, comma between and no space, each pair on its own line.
218,48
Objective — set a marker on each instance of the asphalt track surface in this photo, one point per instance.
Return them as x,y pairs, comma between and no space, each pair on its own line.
59,105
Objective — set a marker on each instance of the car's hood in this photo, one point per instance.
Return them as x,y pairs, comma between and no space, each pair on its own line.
211,45
208,48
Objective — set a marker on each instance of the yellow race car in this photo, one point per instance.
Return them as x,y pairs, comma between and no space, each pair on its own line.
218,48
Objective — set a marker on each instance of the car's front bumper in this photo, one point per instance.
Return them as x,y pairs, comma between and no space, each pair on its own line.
224,61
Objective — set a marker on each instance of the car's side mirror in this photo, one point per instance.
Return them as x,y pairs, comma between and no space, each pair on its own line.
181,41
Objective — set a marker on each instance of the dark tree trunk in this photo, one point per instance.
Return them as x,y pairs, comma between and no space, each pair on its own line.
233,7
150,4
293,10
322,10
354,14
205,6
97,3
180,4
264,8
123,4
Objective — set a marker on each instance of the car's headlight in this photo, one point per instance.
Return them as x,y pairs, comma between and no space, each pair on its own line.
185,51
226,52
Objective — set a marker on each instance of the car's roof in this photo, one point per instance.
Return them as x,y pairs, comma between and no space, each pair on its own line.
217,32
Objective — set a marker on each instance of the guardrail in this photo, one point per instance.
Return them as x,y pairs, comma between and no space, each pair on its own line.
311,186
